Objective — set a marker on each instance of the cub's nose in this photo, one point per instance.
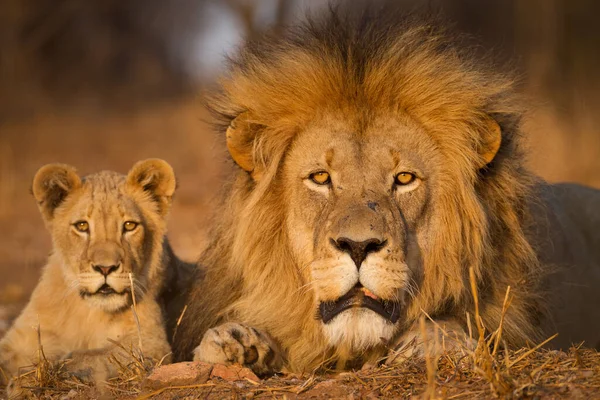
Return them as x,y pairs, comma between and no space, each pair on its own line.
105,270
358,251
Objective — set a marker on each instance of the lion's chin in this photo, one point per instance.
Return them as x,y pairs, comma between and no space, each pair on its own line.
358,329
106,298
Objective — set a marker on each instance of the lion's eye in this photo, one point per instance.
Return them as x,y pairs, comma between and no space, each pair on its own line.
320,178
82,226
404,178
128,226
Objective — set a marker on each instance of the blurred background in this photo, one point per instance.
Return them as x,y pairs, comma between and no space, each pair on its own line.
100,84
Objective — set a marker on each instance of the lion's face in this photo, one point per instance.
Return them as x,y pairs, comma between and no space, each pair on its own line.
106,228
101,235
357,222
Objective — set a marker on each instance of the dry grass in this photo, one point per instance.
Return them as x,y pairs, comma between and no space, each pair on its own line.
484,372
541,373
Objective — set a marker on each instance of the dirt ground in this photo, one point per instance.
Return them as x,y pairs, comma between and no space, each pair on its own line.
524,374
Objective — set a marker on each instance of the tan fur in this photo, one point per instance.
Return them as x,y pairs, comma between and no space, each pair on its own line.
365,99
74,321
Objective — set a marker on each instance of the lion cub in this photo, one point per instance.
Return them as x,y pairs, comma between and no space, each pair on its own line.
108,234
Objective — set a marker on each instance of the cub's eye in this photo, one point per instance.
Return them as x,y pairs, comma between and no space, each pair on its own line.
404,178
320,178
128,226
82,226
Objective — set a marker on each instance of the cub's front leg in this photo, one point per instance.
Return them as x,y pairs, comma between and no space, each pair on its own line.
233,343
92,365
100,364
433,339
19,349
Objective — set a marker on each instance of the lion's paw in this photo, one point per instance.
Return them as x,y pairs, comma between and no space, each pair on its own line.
233,343
437,339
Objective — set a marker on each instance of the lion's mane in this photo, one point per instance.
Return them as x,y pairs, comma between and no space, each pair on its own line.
355,65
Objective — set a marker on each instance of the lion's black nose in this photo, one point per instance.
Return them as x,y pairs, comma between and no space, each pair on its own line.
358,251
105,270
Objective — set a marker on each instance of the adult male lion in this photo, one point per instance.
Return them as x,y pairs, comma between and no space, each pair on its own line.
377,163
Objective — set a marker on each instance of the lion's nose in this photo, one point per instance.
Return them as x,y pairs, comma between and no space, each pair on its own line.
105,270
358,251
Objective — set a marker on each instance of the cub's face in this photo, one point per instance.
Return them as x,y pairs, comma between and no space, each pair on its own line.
107,228
358,223
103,237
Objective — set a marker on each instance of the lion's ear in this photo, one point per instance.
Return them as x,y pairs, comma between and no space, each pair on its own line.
155,177
491,141
51,186
240,141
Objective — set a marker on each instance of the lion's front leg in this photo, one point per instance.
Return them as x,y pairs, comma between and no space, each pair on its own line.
88,366
233,343
99,365
432,339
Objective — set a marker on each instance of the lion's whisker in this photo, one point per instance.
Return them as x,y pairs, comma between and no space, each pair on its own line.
411,288
72,286
140,288
304,288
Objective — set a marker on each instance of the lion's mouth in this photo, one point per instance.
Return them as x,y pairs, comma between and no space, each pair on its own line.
104,290
359,296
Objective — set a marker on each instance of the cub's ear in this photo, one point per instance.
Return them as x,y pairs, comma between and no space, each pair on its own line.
240,141
51,186
491,141
156,177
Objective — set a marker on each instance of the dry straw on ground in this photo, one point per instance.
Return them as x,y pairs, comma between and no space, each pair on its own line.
487,371
508,374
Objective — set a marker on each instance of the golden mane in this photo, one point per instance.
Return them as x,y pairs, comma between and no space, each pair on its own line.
359,67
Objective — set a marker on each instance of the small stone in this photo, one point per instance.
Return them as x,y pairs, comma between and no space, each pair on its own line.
368,366
330,389
558,353
239,384
587,373
184,373
326,384
69,396
233,373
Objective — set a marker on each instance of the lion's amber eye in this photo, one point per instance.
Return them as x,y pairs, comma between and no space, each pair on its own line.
128,226
82,226
404,178
320,178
